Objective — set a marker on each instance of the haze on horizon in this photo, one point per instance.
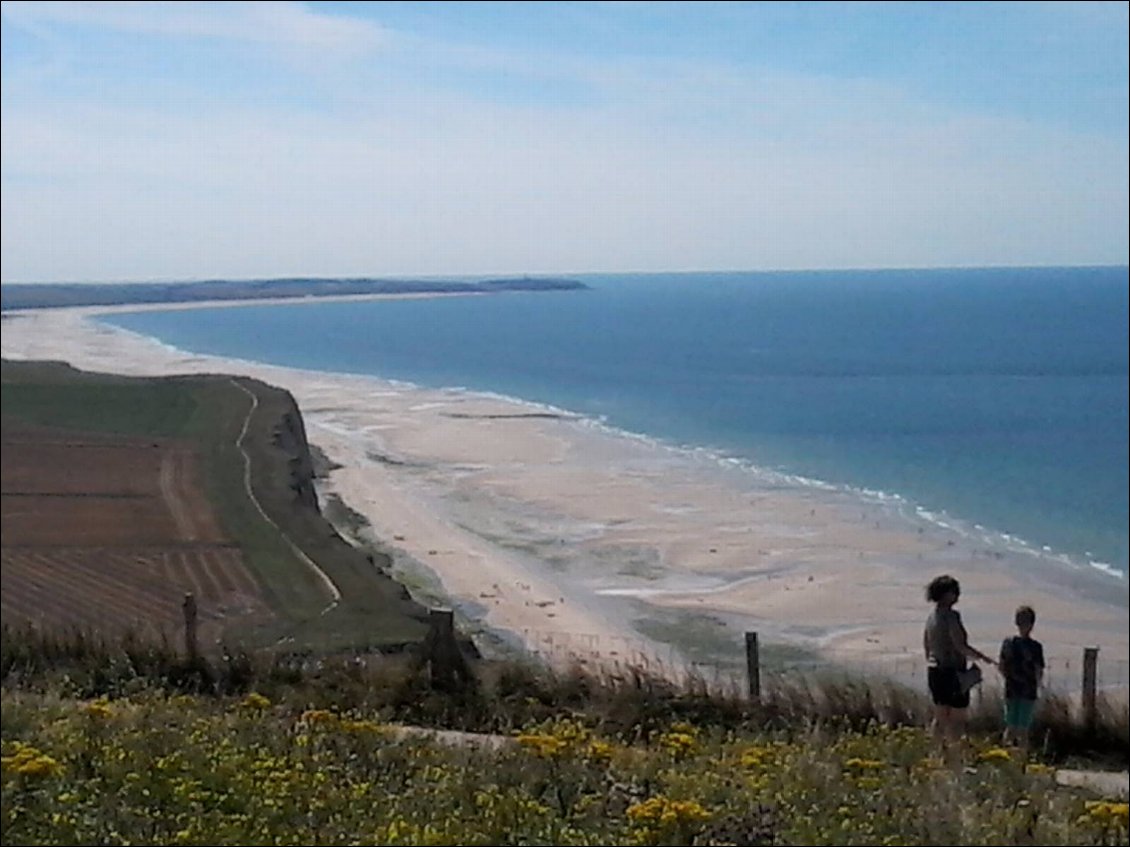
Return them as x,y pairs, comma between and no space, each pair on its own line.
147,141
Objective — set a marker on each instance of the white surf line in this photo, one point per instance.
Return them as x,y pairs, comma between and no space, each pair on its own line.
322,575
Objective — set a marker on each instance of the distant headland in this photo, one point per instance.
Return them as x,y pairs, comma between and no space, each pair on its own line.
56,295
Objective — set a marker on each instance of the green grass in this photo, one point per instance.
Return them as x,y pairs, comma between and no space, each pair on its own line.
54,395
699,637
130,409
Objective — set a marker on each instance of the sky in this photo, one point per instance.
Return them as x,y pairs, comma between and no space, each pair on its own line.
158,141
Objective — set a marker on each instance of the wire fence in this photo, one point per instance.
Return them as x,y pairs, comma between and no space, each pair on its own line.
726,669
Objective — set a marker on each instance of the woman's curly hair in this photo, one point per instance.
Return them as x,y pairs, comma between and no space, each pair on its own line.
940,586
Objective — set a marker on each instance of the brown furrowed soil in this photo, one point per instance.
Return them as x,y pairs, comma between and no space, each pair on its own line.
109,533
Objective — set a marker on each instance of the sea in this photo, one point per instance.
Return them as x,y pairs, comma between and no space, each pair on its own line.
989,401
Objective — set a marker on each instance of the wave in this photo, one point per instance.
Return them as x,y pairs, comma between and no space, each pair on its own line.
897,504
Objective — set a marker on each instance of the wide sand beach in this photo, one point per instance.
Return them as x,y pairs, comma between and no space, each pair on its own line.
580,542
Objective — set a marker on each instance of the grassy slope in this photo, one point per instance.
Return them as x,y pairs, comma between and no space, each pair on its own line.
374,610
209,412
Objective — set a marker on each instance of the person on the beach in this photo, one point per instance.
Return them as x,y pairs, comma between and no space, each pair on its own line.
947,648
1022,665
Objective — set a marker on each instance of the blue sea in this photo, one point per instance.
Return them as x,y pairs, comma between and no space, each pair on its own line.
992,401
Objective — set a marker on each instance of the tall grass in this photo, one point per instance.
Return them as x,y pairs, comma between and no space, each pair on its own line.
505,695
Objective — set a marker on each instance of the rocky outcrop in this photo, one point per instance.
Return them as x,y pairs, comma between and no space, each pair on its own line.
290,437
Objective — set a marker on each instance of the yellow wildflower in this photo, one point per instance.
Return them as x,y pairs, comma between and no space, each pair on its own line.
995,754
666,812
255,702
757,757
99,708
544,746
29,761
363,727
318,716
1106,812
859,764
557,738
600,751
678,743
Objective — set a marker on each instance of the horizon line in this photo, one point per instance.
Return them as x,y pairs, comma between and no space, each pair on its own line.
556,274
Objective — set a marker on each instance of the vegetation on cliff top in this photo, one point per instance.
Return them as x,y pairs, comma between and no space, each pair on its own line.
158,769
126,742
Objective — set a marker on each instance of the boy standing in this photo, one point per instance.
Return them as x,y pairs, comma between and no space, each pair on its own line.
1022,664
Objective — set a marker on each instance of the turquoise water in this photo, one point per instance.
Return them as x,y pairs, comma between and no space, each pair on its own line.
994,399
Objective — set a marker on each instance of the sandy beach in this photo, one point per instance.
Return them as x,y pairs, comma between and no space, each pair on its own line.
578,541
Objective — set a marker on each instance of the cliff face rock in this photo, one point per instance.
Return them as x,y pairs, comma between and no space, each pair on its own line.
290,437
286,491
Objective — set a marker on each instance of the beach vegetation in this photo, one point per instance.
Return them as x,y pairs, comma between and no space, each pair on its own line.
157,767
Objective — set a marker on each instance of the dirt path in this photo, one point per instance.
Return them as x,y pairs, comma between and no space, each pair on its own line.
331,588
1115,784
171,480
1108,784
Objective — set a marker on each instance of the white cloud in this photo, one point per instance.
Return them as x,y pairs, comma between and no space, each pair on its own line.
664,166
281,23
450,187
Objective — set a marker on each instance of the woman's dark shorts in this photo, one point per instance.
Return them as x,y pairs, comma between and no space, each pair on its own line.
945,688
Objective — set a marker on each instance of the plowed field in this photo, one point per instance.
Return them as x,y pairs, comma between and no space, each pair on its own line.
109,533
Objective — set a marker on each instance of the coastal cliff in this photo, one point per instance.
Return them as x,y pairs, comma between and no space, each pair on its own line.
285,485
290,438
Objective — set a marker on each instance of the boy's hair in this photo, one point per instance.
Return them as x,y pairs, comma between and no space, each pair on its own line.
1025,616
940,586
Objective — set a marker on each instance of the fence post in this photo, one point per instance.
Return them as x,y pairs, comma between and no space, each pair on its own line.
1090,680
441,650
753,665
189,606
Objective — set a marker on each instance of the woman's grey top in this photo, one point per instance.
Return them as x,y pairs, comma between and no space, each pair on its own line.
945,639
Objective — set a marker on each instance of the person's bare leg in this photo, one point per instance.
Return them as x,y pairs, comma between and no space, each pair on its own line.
957,733
946,732
938,726
1021,738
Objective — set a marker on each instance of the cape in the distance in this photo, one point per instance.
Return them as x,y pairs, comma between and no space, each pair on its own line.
51,295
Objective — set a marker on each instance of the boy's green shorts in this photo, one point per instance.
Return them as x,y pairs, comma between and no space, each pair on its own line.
1018,713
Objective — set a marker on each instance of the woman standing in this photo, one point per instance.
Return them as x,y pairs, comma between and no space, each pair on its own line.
947,649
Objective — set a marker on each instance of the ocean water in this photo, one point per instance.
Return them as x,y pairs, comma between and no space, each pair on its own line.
991,401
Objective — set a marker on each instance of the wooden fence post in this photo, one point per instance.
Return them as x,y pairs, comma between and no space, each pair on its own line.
753,665
441,650
189,607
1090,684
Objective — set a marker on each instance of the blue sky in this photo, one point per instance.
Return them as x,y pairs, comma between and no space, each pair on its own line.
189,140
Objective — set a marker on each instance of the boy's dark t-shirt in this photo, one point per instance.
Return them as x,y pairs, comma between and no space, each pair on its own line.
1021,660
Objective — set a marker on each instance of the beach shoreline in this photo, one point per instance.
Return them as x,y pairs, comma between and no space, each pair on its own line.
188,305
583,543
